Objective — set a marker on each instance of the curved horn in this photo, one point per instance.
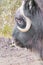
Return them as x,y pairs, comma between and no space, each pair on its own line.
28,25
28,21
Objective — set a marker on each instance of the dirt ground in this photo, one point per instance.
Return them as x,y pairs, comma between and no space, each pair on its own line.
14,55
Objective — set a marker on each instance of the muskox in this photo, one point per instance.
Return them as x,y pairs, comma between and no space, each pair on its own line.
28,28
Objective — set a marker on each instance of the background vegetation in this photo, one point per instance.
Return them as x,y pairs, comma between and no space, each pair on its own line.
7,12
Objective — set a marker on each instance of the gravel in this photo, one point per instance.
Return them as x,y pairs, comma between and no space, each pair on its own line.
10,54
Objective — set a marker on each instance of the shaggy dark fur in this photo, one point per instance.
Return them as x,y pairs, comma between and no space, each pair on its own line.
33,38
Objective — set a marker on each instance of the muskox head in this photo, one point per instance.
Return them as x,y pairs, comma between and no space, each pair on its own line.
28,19
28,29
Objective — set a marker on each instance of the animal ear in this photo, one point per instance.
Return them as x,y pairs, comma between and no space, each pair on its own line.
40,4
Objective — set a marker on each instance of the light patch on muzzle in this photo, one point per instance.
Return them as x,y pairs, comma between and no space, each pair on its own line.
28,21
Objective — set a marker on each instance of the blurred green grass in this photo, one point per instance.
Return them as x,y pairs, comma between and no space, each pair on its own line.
7,12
